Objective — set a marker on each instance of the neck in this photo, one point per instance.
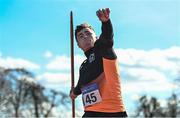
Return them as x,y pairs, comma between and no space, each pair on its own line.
88,52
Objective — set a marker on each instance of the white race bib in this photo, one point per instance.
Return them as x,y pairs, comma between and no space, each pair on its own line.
91,95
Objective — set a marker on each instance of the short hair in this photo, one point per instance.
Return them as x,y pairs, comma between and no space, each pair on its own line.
80,27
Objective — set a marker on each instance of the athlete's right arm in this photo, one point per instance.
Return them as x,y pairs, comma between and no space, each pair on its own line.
72,95
74,92
77,89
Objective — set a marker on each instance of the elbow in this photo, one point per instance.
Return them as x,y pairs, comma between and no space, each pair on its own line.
77,90
109,43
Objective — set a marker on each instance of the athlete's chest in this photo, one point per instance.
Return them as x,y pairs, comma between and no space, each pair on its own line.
91,67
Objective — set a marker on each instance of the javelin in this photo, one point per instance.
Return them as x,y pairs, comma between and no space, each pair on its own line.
72,60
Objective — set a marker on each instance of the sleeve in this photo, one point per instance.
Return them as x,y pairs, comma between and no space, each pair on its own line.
106,41
77,90
106,37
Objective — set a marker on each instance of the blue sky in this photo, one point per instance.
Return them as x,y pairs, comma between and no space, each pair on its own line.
35,34
45,24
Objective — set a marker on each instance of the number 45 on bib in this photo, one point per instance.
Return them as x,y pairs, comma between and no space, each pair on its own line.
91,95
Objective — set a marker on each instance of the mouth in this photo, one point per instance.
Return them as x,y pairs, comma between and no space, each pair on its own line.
88,44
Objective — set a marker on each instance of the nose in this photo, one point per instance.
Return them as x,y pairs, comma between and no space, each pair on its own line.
85,36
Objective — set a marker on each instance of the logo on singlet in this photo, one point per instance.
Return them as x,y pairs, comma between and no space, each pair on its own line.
91,57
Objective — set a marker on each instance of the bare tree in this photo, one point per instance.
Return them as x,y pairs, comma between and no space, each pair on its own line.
152,108
149,107
19,87
20,96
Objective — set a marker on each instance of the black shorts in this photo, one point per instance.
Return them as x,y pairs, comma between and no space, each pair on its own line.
104,114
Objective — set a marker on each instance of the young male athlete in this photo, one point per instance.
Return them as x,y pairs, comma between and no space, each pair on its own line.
99,81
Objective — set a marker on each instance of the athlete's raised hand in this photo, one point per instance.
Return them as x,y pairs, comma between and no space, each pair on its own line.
103,14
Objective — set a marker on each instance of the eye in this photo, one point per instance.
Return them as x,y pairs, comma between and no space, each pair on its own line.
81,36
88,33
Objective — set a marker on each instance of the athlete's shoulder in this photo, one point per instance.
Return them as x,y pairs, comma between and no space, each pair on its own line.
83,64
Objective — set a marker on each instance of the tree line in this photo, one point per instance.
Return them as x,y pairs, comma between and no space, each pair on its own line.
152,107
21,96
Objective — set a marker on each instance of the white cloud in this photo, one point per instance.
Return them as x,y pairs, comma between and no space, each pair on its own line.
144,74
63,62
17,63
147,87
54,78
164,60
149,71
173,52
142,71
48,54
59,63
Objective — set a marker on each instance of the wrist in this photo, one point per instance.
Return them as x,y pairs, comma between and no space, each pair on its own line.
106,21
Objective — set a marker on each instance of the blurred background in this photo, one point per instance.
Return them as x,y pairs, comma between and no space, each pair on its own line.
35,55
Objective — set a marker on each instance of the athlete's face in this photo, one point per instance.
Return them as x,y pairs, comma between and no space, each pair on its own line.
86,38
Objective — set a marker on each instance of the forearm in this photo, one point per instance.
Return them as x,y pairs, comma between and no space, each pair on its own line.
107,30
106,37
77,89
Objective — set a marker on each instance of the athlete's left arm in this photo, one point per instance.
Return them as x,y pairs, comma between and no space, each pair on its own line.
106,36
106,41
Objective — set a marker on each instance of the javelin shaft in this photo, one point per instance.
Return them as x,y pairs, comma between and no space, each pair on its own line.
72,60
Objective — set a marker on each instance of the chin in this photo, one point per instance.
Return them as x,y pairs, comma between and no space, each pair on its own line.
87,48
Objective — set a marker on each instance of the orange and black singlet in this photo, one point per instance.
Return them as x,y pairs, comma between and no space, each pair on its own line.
99,80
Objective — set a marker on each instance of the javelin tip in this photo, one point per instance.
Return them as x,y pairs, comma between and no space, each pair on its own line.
71,12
